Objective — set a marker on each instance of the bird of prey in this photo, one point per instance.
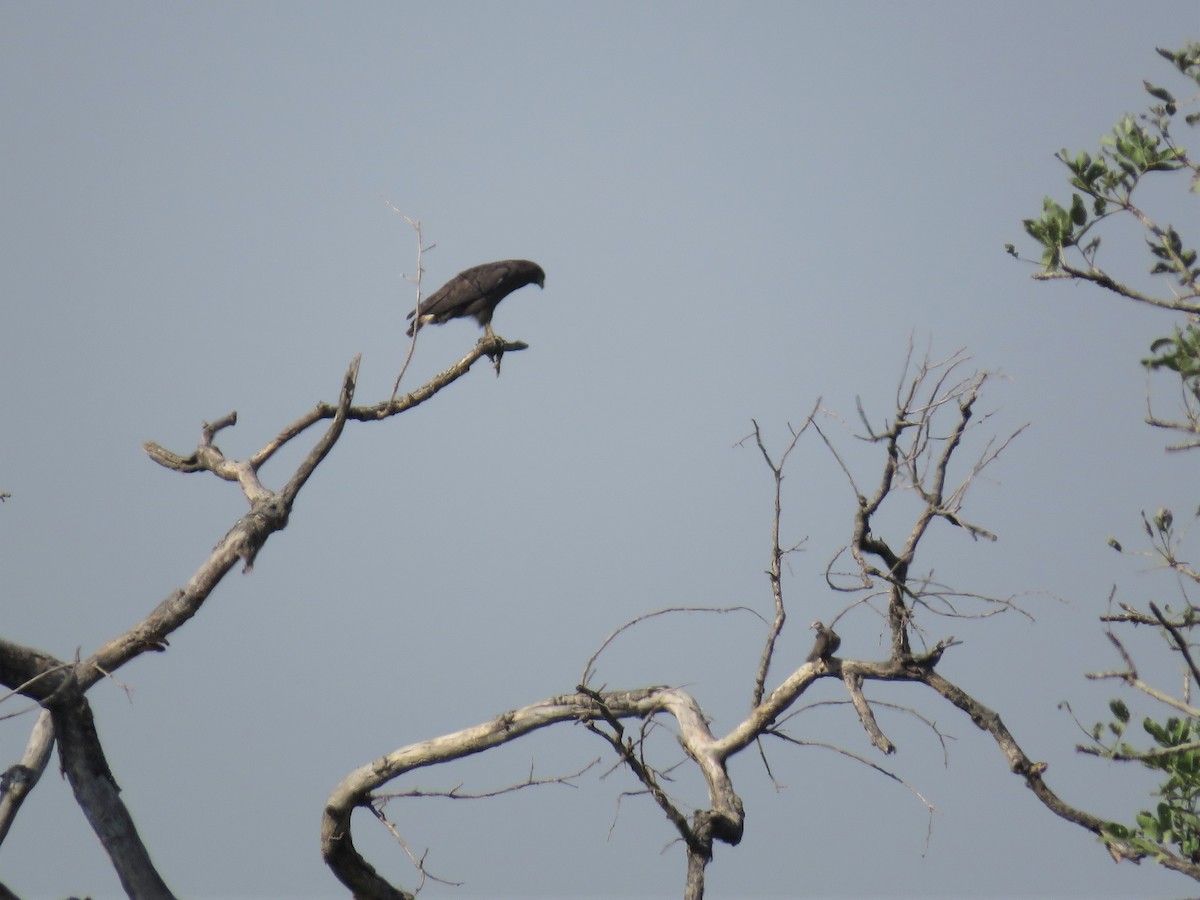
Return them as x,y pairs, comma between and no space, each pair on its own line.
826,644
477,292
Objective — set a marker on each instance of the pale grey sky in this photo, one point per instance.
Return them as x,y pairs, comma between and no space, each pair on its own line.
740,208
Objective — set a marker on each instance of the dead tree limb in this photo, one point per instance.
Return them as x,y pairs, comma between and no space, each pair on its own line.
60,686
99,796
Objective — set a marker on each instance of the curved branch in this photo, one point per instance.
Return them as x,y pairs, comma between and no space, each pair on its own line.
724,821
589,666
987,720
44,678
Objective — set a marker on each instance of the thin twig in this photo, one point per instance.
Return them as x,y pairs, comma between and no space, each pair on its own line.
589,667
775,570
417,280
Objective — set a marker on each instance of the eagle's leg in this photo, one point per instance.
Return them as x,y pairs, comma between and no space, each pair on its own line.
496,354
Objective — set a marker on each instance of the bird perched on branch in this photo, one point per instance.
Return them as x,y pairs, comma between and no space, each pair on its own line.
477,292
826,644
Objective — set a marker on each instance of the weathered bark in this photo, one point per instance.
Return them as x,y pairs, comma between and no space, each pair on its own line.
99,796
724,821
988,720
20,778
697,864
60,686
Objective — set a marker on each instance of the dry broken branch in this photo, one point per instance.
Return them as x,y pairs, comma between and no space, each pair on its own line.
61,686
723,821
853,683
775,568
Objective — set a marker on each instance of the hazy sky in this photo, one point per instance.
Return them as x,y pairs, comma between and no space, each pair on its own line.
740,208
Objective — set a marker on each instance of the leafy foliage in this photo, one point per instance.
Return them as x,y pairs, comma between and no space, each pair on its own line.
1180,353
1106,184
1175,821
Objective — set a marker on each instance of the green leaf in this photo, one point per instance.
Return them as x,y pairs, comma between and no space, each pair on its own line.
1078,210
1164,819
1155,730
1149,825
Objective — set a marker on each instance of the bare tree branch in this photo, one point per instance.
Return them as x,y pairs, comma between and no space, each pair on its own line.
723,821
418,281
775,570
456,792
19,779
418,862
853,683
589,668
1106,281
842,751
1178,639
644,773
1019,763
48,680
98,795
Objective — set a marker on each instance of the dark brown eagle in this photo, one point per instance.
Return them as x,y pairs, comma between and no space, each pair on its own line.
826,644
477,292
